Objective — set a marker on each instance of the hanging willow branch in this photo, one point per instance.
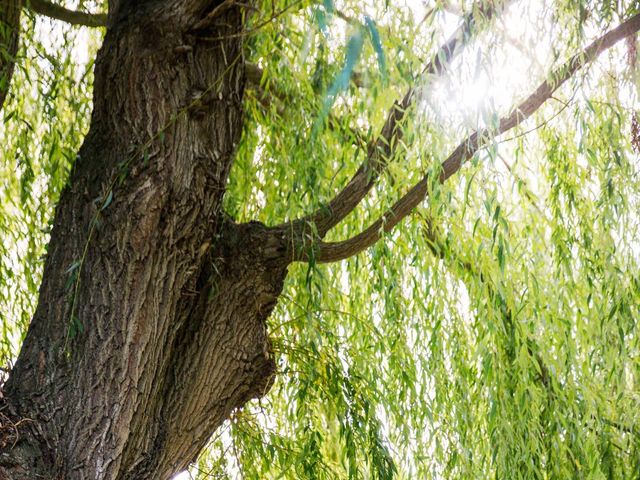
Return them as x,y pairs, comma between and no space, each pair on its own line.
254,75
10,31
9,41
383,149
334,251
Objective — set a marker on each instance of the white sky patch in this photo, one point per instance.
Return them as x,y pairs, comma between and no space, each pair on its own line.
183,476
480,82
486,77
54,31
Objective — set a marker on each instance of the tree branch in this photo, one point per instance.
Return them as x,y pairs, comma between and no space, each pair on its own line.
380,151
334,251
73,17
10,31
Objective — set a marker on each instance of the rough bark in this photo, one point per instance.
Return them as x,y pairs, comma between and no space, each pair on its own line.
168,295
171,296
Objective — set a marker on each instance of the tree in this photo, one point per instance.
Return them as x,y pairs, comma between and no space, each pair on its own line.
481,332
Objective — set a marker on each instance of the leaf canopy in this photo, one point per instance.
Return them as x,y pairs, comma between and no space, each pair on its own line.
493,333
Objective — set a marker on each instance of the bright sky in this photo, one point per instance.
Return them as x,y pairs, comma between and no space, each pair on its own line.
484,80
480,88
480,82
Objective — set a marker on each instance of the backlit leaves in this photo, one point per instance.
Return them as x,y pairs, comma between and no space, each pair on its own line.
493,334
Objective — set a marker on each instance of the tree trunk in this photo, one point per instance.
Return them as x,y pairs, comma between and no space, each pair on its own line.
150,323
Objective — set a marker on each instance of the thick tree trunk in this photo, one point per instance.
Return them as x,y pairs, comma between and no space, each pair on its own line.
171,296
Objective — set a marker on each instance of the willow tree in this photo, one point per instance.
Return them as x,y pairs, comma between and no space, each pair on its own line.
286,201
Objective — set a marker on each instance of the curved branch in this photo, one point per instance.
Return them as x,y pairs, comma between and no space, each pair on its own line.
380,151
73,17
334,251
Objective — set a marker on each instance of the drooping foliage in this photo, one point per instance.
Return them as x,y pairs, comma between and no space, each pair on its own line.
490,334
44,120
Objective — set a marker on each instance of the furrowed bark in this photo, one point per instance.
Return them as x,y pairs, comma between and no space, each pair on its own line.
171,295
166,295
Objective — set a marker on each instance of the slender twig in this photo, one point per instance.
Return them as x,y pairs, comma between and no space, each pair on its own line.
565,105
274,16
73,17
346,17
209,18
254,76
